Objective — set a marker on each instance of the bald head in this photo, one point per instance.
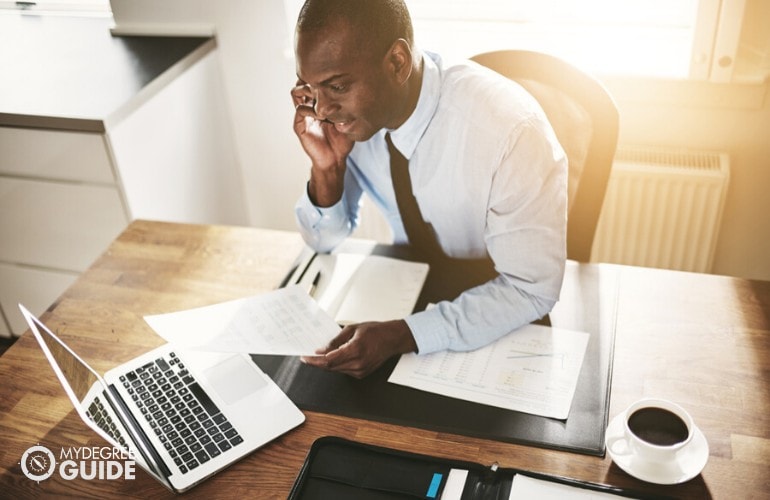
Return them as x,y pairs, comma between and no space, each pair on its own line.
376,24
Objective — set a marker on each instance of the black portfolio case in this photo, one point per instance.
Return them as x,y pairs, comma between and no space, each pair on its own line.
347,470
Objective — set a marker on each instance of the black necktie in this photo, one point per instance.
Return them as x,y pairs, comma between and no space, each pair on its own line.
419,232
448,276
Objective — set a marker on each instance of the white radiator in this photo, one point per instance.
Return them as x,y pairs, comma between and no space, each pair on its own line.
662,208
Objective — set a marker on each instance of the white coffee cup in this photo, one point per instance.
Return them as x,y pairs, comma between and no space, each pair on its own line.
653,430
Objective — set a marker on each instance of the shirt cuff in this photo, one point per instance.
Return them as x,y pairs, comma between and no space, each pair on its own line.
427,329
322,227
314,217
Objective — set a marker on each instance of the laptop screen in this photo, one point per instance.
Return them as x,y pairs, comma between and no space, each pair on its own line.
78,376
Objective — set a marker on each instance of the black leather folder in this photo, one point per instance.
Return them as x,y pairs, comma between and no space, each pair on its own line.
587,304
347,470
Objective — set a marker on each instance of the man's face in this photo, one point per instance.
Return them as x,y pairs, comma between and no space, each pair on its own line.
349,84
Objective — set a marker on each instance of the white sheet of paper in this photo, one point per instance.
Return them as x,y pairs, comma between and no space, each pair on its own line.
533,370
354,287
526,487
285,321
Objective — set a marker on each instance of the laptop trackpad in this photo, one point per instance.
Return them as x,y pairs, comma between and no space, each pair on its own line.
234,379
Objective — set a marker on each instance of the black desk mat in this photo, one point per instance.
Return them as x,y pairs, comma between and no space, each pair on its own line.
587,303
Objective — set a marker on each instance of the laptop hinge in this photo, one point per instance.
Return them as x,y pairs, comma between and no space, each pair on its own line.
142,441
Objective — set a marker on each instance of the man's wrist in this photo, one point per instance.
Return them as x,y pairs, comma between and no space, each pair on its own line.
325,186
405,339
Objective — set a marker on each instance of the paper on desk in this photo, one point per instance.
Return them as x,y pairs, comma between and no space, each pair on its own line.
285,321
527,487
533,370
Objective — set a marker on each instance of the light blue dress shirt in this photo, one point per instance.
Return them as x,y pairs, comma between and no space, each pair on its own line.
490,177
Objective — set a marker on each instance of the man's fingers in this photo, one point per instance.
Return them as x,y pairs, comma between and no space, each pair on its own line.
302,112
341,338
306,122
317,361
341,359
346,360
301,94
299,90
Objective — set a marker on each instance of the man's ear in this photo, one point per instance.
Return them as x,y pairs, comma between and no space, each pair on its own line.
399,61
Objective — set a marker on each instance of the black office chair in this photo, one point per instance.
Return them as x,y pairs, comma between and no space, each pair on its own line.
585,119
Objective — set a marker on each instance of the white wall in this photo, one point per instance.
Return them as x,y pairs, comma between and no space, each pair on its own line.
255,46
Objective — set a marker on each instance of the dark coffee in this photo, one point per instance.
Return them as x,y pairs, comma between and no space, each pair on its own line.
658,426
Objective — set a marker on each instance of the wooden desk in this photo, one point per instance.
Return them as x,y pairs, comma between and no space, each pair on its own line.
703,341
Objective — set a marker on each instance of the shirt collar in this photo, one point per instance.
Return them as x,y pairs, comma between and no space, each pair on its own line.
408,135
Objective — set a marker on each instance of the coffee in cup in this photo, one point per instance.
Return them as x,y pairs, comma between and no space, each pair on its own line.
653,429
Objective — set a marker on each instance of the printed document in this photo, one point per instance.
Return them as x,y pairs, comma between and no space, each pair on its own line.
285,321
533,370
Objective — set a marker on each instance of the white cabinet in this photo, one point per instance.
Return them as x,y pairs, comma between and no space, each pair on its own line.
57,225
60,207
5,330
65,195
55,154
175,154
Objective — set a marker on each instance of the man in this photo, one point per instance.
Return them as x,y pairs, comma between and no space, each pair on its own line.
487,172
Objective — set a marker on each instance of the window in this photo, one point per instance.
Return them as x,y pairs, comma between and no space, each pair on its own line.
676,39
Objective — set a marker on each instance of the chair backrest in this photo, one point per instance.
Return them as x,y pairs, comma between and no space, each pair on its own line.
585,119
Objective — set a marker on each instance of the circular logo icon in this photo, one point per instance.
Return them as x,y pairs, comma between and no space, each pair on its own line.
38,463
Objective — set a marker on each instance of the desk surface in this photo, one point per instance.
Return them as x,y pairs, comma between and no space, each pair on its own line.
701,340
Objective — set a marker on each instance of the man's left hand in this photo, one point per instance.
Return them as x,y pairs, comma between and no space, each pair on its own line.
360,349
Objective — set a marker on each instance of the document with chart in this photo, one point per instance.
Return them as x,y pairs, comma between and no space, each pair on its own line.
533,370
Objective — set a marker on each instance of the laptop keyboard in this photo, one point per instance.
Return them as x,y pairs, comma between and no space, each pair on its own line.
187,422
103,419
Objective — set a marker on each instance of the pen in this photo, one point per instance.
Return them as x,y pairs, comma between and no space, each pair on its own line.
314,284
306,267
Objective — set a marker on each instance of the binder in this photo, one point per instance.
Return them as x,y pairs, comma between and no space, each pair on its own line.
342,469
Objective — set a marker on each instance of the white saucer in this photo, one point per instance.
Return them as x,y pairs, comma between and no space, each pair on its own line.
687,463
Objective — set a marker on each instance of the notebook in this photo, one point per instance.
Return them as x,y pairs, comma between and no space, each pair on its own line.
178,414
358,287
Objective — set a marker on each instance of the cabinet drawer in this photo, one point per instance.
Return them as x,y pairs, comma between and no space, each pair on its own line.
54,154
57,225
4,332
34,288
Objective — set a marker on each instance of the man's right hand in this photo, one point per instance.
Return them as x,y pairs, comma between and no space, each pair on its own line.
327,148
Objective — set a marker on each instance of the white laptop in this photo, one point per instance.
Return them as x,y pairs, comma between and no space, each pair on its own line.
182,415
